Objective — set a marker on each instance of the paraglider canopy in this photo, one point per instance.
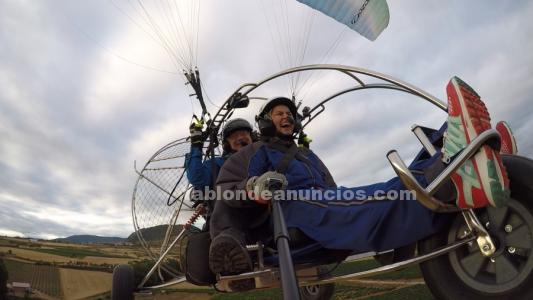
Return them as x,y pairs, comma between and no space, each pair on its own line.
368,17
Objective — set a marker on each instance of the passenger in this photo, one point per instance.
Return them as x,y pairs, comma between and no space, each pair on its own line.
236,134
346,223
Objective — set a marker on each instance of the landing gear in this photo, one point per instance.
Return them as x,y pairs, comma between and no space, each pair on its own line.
123,283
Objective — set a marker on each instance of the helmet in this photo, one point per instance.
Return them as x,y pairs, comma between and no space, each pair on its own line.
234,125
264,122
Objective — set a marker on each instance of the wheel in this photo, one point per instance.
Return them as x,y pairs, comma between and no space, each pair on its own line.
465,273
123,285
317,292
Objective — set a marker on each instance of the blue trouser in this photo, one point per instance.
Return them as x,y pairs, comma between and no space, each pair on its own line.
366,225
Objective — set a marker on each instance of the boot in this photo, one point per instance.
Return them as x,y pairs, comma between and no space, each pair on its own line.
228,256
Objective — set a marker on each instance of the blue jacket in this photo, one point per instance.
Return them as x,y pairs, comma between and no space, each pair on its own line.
304,171
200,173
335,223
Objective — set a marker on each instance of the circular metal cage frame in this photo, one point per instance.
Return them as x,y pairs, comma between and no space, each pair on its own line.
176,193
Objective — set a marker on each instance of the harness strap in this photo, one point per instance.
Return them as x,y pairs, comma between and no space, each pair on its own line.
290,153
283,164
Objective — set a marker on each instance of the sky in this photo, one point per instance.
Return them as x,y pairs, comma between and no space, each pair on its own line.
85,92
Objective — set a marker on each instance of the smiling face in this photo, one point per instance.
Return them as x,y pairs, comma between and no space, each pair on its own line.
283,120
239,139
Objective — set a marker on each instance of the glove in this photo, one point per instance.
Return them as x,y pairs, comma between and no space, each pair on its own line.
260,188
197,135
304,140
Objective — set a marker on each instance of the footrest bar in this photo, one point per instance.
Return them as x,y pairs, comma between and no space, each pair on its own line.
424,140
425,196
412,184
490,137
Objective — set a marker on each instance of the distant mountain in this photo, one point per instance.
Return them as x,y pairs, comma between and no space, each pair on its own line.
92,239
155,233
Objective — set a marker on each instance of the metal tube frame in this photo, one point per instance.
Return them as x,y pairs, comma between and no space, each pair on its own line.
424,140
273,273
160,260
425,196
391,83
352,72
199,211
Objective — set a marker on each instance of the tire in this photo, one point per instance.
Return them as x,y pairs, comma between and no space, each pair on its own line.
317,292
123,283
465,273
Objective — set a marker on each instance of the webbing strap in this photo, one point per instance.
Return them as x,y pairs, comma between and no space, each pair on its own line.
284,162
290,153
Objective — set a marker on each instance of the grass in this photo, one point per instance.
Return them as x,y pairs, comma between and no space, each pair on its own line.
358,266
75,252
350,292
344,290
416,292
7,243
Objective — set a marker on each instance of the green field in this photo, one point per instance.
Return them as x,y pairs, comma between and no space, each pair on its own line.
358,266
75,252
42,278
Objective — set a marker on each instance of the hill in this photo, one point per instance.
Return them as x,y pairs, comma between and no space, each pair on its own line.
155,233
151,234
92,239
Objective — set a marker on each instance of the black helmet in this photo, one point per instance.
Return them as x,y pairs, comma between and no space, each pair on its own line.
264,121
234,125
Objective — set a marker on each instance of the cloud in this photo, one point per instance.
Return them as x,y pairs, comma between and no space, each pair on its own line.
80,99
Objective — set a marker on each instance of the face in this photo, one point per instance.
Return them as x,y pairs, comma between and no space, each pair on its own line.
239,139
283,120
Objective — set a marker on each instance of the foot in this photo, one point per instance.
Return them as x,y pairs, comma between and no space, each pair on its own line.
228,256
508,143
482,180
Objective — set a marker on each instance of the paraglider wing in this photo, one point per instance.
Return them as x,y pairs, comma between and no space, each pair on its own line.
368,17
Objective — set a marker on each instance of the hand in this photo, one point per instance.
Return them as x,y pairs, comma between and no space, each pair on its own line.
197,135
304,140
257,186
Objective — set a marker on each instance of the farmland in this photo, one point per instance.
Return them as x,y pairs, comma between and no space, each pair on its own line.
62,270
44,278
75,252
61,253
58,280
78,284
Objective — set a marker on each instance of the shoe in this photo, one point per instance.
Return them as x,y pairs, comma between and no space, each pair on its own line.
508,143
228,256
481,180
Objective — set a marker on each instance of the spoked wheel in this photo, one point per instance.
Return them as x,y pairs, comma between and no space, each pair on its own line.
317,292
467,274
511,229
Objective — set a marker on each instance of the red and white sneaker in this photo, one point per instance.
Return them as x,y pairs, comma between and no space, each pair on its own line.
508,143
481,180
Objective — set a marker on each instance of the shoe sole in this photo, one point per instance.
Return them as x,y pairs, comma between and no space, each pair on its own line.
475,119
508,147
229,257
